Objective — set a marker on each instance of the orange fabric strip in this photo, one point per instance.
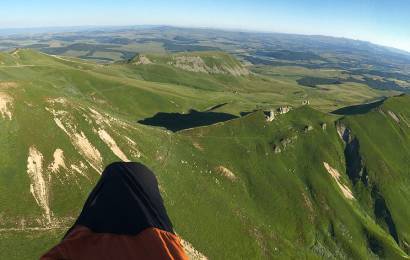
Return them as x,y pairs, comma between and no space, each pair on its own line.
151,243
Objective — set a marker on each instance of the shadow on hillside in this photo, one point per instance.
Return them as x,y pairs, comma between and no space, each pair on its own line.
358,109
176,121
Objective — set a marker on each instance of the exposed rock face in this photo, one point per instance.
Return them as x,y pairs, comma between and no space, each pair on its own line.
226,173
58,162
284,109
39,186
273,113
197,64
284,143
358,174
6,104
192,253
66,122
343,132
394,116
191,63
336,176
7,84
354,163
142,59
308,128
108,140
237,70
276,149
271,116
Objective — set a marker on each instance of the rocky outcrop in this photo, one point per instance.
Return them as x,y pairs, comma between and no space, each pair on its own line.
336,176
284,109
354,163
208,63
343,132
394,116
283,144
270,116
110,142
273,113
192,253
6,104
225,172
197,64
39,187
308,128
192,63
141,59
276,149
58,162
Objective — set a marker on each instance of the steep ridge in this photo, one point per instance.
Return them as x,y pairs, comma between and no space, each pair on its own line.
321,218
377,154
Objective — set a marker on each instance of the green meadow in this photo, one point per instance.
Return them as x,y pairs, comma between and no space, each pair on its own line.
310,184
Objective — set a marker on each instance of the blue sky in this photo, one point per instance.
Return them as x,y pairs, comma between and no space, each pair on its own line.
379,21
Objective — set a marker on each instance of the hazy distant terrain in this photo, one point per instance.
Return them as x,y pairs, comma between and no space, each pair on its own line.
265,145
361,62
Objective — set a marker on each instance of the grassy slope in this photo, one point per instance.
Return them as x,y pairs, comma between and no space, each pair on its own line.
287,204
281,205
384,146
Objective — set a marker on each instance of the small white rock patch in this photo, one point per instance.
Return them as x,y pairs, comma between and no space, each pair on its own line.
58,161
133,145
110,142
336,176
225,172
6,104
82,144
38,186
394,116
192,253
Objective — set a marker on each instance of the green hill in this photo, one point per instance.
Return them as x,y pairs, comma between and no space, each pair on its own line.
201,62
242,188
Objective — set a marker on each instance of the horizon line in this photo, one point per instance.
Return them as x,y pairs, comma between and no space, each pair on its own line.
228,29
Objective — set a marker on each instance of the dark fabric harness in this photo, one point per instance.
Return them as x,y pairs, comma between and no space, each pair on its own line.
126,200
